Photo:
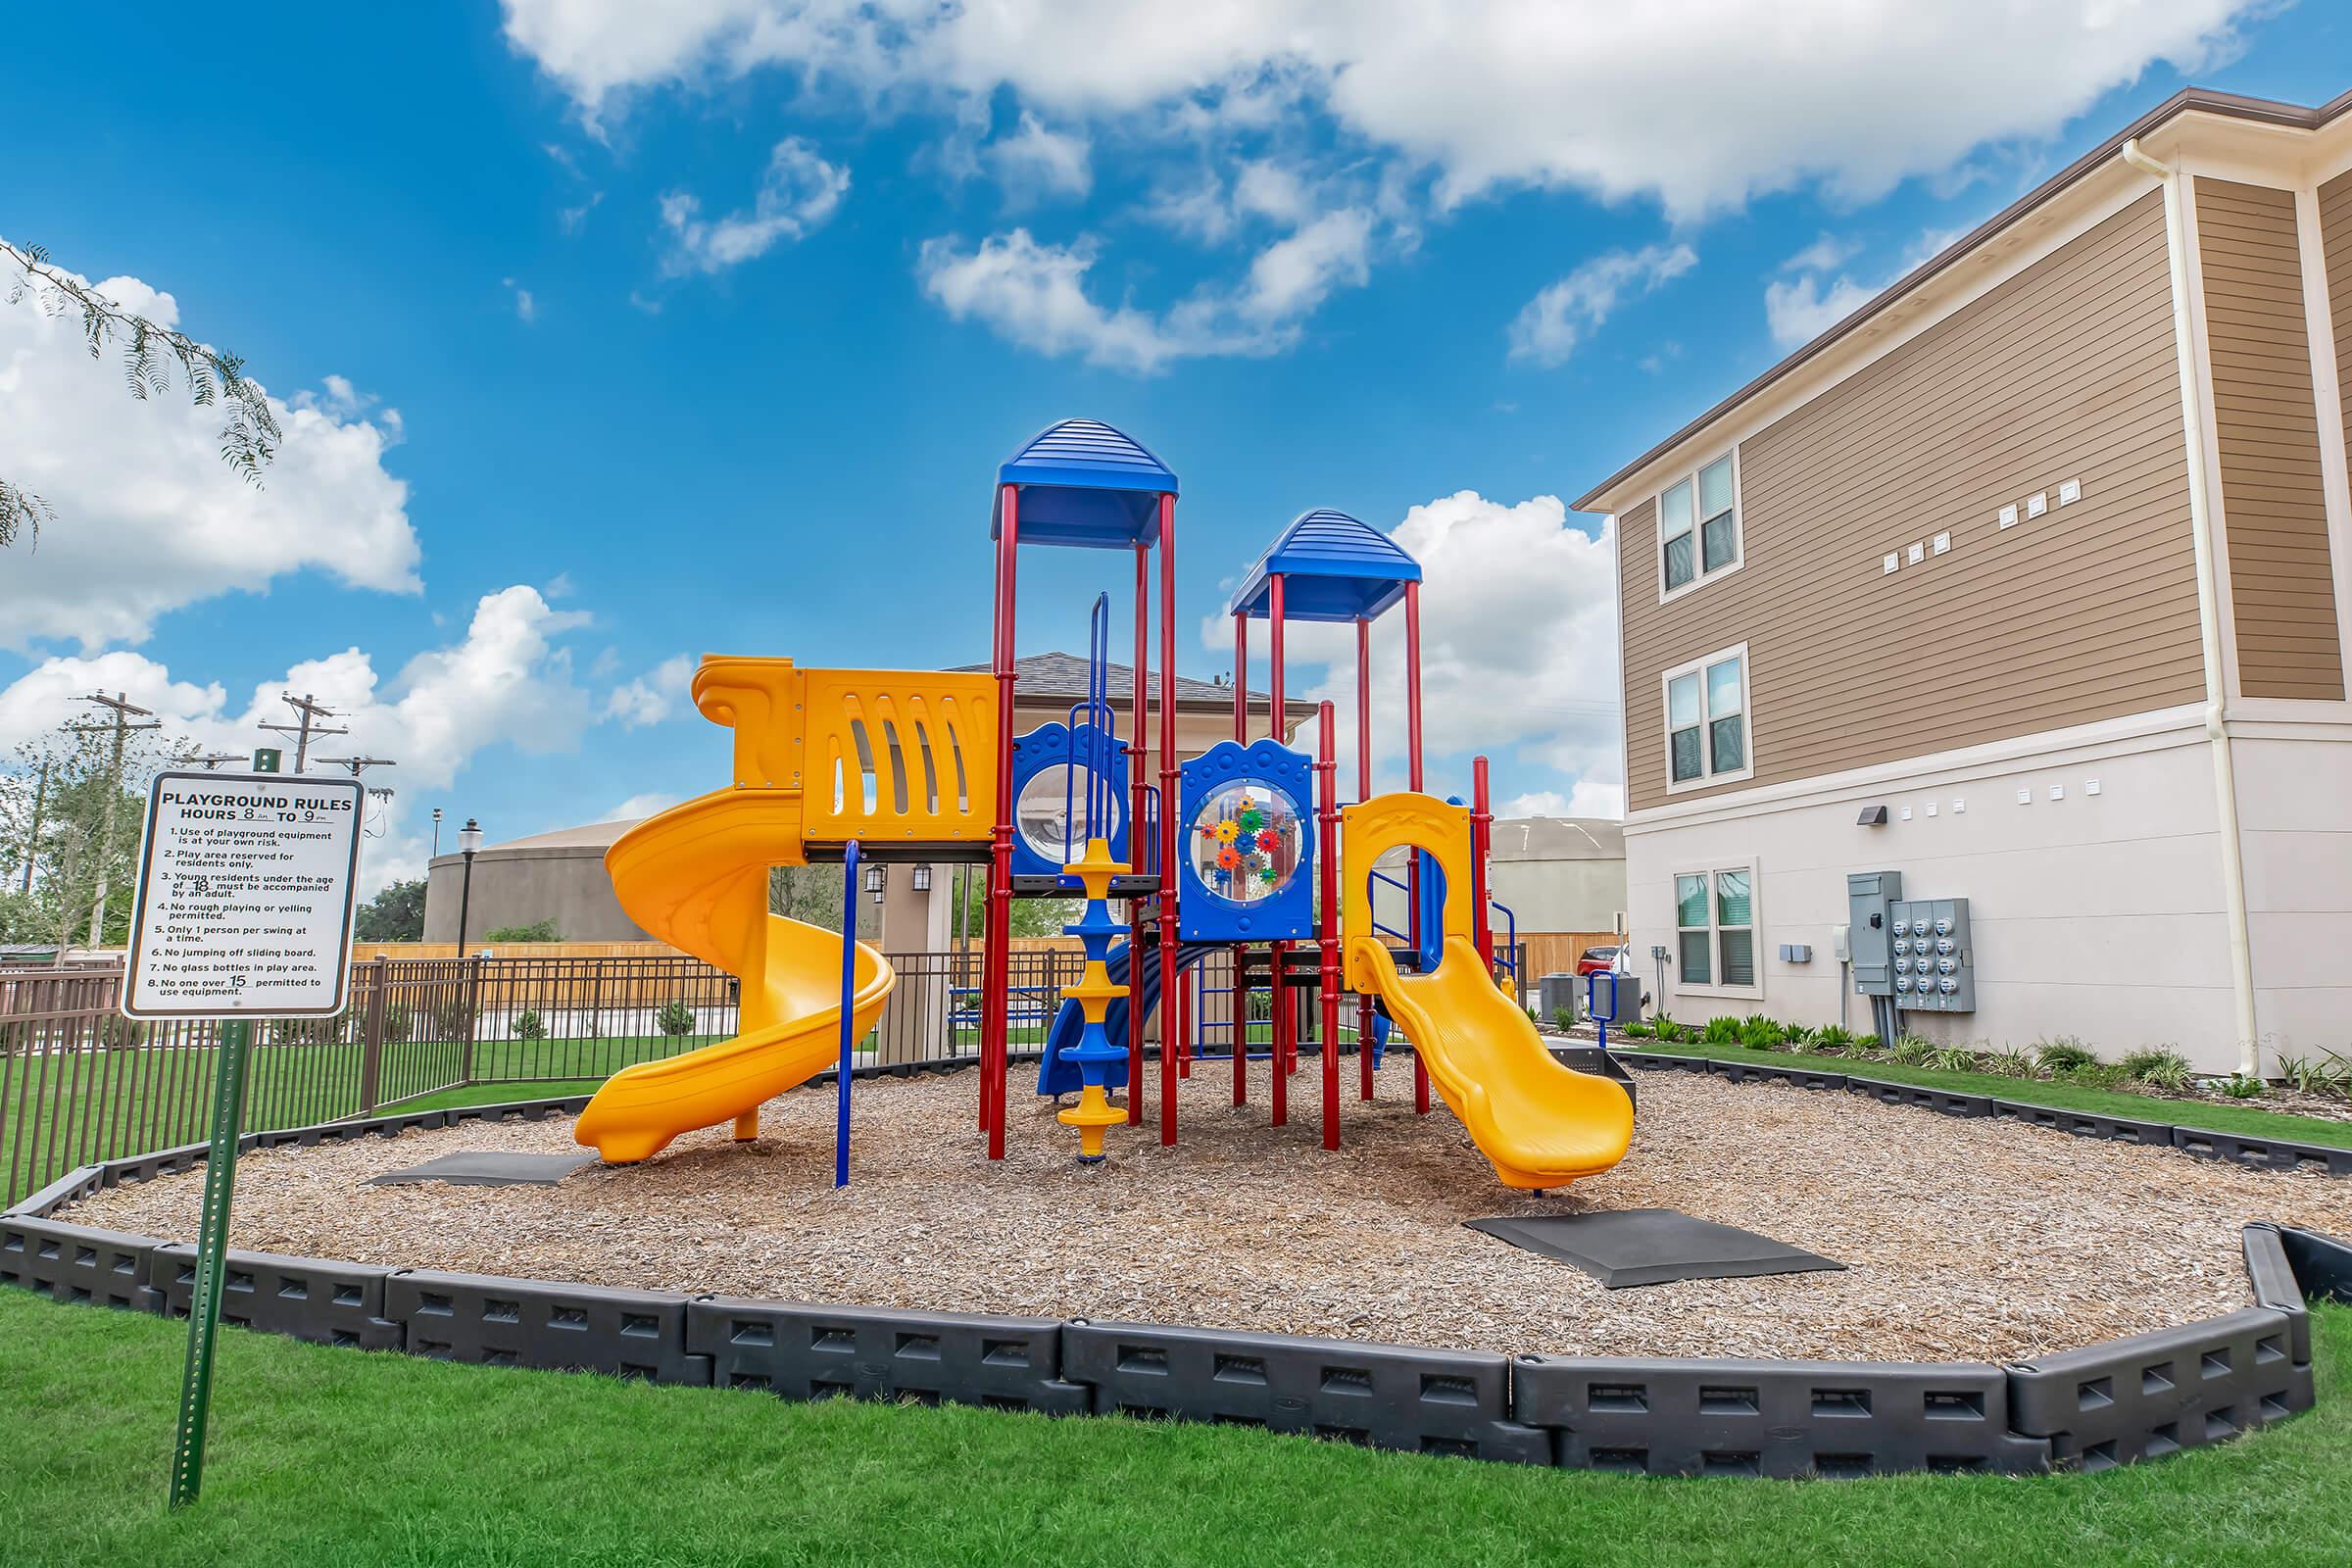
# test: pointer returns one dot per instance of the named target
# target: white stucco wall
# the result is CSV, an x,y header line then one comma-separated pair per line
x,y
2096,915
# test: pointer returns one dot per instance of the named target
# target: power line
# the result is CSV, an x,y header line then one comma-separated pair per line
x,y
359,764
311,713
208,760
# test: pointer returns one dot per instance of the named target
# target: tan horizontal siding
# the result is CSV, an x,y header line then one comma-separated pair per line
x,y
2266,422
2336,247
2065,372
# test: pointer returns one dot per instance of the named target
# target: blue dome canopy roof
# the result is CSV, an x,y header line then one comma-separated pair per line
x,y
1083,483
1333,567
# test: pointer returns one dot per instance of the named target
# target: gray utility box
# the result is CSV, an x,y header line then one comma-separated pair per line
x,y
1556,990
1934,956
1870,899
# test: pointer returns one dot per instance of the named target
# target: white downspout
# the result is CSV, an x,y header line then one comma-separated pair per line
x,y
2209,613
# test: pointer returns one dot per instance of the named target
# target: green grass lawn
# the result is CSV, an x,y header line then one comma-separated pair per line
x,y
2057,1093
334,1456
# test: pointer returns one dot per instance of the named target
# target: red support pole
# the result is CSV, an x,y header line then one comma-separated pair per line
x,y
1278,1055
1327,927
1241,1024
1167,796
996,977
1482,841
1184,1023
1138,848
1363,791
1241,677
1412,747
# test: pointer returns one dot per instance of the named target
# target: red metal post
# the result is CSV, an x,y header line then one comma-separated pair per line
x,y
1241,677
1412,746
997,966
1482,838
1363,791
1278,1059
1167,796
1184,1023
1138,855
1327,926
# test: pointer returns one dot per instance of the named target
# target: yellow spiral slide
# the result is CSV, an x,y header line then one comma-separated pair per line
x,y
1539,1123
696,876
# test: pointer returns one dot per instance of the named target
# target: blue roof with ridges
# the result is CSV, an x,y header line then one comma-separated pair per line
x,y
1333,567
1083,483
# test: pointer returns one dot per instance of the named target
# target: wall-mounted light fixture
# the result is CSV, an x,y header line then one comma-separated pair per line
x,y
921,879
1873,816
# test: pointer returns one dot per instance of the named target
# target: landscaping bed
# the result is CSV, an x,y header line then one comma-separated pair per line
x,y
1965,1239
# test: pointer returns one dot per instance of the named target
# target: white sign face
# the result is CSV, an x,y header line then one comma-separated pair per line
x,y
243,905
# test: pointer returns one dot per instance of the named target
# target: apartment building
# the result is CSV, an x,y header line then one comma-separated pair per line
x,y
2030,581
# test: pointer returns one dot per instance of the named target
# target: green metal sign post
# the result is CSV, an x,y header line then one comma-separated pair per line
x,y
212,1261
243,909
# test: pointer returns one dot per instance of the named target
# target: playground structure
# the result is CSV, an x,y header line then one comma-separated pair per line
x,y
1245,847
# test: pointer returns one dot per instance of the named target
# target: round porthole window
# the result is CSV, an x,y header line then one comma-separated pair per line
x,y
1052,830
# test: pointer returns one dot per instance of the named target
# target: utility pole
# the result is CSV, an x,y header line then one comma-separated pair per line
x,y
208,760
357,765
121,708
311,713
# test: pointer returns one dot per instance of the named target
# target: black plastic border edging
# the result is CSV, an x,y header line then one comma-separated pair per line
x,y
2243,1148
2111,1403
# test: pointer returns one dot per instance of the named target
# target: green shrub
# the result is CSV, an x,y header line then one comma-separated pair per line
x,y
451,1019
1799,1034
1911,1050
2242,1088
1864,1045
2157,1067
536,931
1759,1033
397,1020
1670,1031
674,1018
2009,1063
2064,1054
117,1032
1563,1018
2327,1073
1534,1017
528,1025
1721,1032
1953,1059
1638,1029
1831,1041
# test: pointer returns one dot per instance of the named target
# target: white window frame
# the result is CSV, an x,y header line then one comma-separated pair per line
x,y
1701,575
1707,752
1716,986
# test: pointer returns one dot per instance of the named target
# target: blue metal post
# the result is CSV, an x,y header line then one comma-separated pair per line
x,y
849,1026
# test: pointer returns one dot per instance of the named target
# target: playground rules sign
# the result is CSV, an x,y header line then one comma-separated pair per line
x,y
243,907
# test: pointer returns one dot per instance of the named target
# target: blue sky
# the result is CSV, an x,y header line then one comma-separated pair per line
x,y
617,334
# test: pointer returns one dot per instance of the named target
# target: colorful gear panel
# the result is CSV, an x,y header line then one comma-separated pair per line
x,y
1246,845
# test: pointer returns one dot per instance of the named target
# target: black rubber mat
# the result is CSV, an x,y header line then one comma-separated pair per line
x,y
1629,1246
488,1168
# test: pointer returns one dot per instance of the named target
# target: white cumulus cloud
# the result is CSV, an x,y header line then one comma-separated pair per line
x,y
148,517
1038,160
1550,326
799,192
652,697
1699,104
1518,652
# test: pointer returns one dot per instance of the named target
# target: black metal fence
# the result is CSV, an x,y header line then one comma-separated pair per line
x,y
80,1083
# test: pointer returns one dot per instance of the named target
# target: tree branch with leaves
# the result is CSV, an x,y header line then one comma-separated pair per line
x,y
249,432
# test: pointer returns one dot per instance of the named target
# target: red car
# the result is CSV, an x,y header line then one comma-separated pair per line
x,y
1592,961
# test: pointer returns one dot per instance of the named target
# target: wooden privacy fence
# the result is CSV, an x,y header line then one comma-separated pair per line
x,y
1556,951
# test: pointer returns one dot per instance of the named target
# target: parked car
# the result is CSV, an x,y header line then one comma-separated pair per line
x,y
1595,959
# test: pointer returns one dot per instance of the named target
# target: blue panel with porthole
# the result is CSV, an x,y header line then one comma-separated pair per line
x,y
1246,845
1044,761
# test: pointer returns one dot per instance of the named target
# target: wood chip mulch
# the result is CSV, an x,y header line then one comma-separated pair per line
x,y
1962,1240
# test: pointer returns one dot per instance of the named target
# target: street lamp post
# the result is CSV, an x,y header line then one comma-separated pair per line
x,y
436,830
469,839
